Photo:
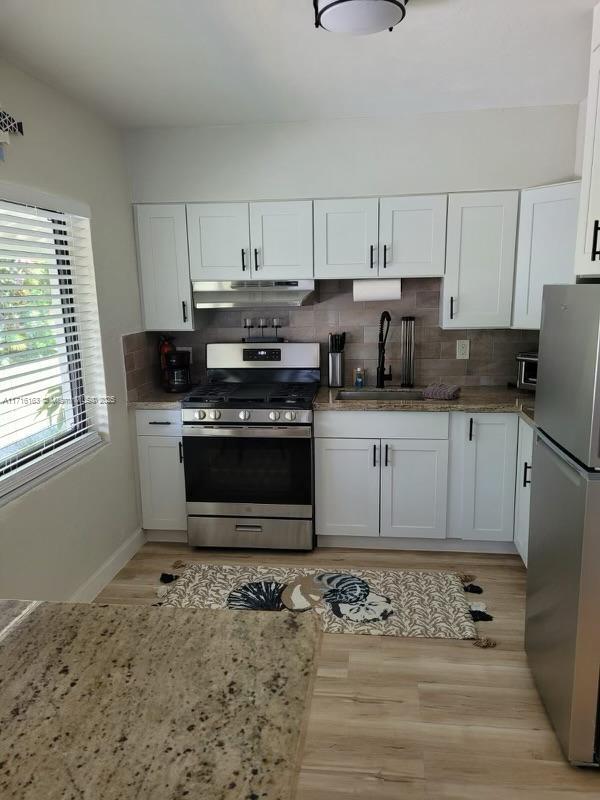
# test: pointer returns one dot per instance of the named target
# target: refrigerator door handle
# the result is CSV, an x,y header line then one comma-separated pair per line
x,y
564,457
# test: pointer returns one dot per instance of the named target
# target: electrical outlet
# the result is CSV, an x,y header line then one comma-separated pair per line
x,y
189,350
462,348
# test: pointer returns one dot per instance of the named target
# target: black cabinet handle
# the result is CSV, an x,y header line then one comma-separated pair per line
x,y
371,255
184,310
385,256
595,251
256,258
471,429
374,455
387,447
180,453
451,308
159,423
526,468
243,260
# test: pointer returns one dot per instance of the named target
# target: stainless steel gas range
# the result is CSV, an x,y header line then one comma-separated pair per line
x,y
248,447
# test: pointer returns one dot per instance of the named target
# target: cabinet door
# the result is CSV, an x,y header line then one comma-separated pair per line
x,y
346,238
480,260
164,267
162,483
587,254
488,501
414,480
219,239
347,473
412,236
546,249
523,489
281,236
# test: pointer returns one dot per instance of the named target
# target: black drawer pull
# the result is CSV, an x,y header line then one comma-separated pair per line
x,y
371,256
256,259
387,448
160,423
526,480
451,307
374,455
595,251
180,452
243,260
184,310
385,256
471,429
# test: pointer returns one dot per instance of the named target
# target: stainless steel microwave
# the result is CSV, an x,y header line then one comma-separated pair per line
x,y
527,367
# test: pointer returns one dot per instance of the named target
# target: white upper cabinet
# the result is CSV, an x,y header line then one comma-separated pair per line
x,y
346,238
281,237
546,248
164,267
480,260
219,241
412,236
414,486
587,254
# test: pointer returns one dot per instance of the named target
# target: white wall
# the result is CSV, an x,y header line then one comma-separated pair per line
x,y
423,153
54,537
581,120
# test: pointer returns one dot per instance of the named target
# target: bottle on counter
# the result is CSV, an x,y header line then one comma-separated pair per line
x,y
359,378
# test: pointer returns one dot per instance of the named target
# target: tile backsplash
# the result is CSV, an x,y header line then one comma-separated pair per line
x,y
492,352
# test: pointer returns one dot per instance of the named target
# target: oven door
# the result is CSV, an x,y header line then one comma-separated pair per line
x,y
248,470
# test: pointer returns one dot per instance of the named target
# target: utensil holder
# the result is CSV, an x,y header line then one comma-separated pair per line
x,y
336,370
407,350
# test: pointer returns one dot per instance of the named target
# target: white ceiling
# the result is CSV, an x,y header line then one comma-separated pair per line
x,y
195,62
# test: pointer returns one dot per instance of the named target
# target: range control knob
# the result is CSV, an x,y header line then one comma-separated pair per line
x,y
274,416
290,416
244,415
199,414
214,414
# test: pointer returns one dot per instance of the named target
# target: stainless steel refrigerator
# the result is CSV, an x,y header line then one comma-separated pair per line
x,y
562,635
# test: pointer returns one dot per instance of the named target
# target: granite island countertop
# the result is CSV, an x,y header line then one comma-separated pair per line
x,y
472,399
122,702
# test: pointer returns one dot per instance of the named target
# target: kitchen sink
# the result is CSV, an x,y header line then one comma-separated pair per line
x,y
380,394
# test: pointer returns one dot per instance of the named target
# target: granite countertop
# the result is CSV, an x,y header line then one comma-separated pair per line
x,y
122,702
156,399
475,400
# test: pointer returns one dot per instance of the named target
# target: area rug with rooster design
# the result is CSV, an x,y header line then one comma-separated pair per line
x,y
392,602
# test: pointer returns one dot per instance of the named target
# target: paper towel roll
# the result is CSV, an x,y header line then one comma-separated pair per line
x,y
376,290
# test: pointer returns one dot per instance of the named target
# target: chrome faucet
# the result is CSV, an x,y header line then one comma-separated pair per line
x,y
382,376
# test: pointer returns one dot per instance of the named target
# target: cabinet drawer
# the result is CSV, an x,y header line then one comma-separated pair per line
x,y
158,423
382,424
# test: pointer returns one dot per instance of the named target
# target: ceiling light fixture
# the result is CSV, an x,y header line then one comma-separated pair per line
x,y
358,16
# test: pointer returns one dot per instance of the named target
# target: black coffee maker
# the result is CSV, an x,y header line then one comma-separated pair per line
x,y
176,374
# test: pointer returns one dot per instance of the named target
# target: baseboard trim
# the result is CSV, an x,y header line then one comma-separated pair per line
x,y
166,536
91,588
439,545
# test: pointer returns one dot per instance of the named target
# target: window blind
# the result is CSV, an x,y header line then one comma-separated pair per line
x,y
52,393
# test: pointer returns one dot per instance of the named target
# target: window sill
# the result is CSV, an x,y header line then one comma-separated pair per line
x,y
16,483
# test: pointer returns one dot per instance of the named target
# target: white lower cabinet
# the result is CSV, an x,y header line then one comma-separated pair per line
x,y
394,486
414,485
347,475
482,476
523,489
162,482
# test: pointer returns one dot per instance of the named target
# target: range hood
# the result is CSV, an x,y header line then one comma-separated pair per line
x,y
251,294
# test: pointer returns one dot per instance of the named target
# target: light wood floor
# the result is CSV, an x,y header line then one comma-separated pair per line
x,y
400,719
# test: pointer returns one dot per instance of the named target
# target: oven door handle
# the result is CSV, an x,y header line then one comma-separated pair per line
x,y
249,431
